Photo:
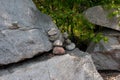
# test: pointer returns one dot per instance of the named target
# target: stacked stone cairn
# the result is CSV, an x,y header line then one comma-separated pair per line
x,y
61,42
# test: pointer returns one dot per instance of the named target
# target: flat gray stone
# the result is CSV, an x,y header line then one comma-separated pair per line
x,y
99,16
30,38
65,67
53,31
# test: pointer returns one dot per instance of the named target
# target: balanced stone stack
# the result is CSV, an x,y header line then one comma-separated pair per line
x,y
23,35
60,41
69,45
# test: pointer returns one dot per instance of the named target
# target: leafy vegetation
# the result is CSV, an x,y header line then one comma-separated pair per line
x,y
67,14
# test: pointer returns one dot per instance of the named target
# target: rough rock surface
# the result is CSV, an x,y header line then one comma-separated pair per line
x,y
111,76
106,56
112,43
109,60
30,35
110,32
98,15
76,65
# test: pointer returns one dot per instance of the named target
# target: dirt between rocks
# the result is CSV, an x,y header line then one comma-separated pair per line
x,y
110,75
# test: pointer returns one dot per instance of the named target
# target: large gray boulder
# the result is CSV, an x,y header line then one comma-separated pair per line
x,y
100,16
23,31
76,65
106,55
109,60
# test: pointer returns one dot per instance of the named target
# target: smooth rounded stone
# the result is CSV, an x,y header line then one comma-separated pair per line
x,y
70,46
58,50
68,41
58,43
65,35
53,31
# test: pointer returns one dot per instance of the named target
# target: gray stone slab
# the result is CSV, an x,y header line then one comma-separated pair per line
x,y
65,67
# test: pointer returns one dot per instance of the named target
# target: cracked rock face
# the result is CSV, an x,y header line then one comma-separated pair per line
x,y
65,67
106,56
23,31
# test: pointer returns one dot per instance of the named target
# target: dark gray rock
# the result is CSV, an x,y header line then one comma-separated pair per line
x,y
109,60
98,15
110,32
23,31
65,67
106,55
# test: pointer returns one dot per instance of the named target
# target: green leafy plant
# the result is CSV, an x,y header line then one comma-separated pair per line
x,y
67,14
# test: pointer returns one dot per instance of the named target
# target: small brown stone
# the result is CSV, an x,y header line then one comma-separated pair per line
x,y
58,50
65,35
